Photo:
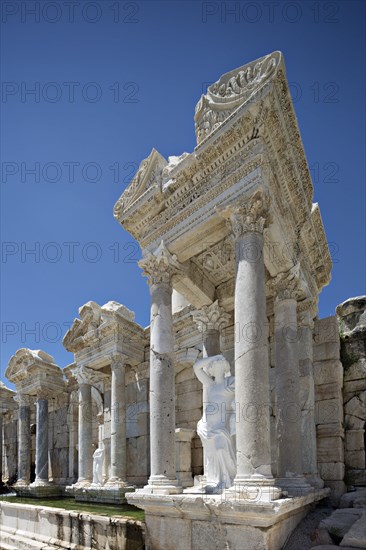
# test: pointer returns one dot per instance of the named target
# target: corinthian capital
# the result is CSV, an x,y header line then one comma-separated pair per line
x,y
287,285
160,266
24,400
84,375
118,361
250,216
212,317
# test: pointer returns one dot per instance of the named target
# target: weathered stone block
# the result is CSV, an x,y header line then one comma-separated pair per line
x,y
355,459
326,351
356,406
143,423
329,391
330,430
190,400
357,371
355,440
332,470
326,330
329,371
328,411
184,418
131,393
330,449
355,386
161,533
353,422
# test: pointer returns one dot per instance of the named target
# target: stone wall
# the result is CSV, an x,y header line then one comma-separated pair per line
x,y
352,324
10,447
58,441
328,379
23,526
137,424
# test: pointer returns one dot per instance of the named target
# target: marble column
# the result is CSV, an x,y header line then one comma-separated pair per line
x,y
307,394
288,412
254,476
210,321
118,422
24,439
85,436
160,267
41,439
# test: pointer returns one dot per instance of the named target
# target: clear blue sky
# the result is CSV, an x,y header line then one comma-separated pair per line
x,y
114,79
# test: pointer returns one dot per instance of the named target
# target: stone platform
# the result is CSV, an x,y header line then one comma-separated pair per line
x,y
181,522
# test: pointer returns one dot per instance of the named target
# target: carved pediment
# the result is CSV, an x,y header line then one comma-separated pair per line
x,y
25,358
148,178
93,319
232,90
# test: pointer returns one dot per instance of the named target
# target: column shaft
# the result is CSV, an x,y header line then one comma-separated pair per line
x,y
211,343
162,391
24,440
42,440
85,434
289,462
118,423
251,361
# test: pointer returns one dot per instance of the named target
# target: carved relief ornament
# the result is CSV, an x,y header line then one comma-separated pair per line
x,y
160,266
250,216
212,317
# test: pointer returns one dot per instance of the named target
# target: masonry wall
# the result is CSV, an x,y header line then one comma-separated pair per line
x,y
329,417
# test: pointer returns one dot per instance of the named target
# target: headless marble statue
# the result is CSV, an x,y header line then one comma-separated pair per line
x,y
98,458
217,424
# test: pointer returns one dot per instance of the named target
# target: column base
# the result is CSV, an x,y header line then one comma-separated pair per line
x,y
294,486
256,488
92,492
161,485
203,487
314,480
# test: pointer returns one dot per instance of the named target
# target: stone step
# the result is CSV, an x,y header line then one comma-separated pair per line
x,y
356,536
341,521
13,541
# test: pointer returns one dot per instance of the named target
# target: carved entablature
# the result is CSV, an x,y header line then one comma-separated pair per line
x,y
231,91
248,139
102,331
33,371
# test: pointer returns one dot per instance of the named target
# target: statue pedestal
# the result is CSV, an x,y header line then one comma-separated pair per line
x,y
38,490
109,494
218,521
